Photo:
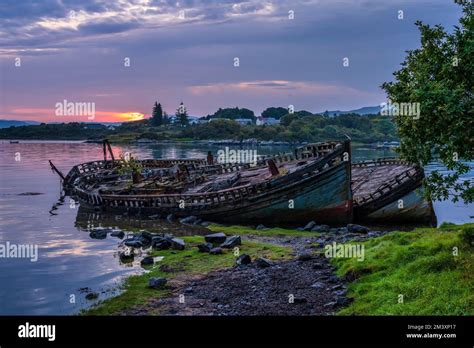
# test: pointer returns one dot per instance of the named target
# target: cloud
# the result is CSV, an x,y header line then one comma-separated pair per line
x,y
278,87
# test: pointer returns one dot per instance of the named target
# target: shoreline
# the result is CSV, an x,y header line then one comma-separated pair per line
x,y
203,284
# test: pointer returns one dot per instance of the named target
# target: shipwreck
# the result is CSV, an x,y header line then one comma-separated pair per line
x,y
314,182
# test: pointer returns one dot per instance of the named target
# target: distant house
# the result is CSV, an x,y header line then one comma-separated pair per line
x,y
173,119
270,121
243,121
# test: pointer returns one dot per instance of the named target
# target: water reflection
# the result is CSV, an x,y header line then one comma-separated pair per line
x,y
73,254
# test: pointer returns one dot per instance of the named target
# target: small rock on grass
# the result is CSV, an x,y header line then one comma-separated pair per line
x,y
205,247
231,242
146,261
156,283
215,251
177,244
261,227
216,238
243,259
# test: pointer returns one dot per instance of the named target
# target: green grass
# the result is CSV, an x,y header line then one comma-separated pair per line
x,y
186,262
419,265
271,232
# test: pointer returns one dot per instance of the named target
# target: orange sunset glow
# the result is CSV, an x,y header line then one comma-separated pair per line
x,y
130,116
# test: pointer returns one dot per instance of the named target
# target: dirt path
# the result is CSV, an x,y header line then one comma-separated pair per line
x,y
302,286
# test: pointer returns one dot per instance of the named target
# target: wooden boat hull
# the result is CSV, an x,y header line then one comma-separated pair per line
x,y
410,208
399,199
320,190
326,199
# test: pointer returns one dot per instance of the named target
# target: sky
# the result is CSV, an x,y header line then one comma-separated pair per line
x,y
122,56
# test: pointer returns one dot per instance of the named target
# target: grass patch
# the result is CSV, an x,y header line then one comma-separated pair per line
x,y
271,232
419,265
186,262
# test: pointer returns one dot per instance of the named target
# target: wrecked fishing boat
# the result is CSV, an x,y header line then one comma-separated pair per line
x,y
311,183
315,182
390,190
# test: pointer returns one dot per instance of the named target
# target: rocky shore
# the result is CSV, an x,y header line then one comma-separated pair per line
x,y
303,284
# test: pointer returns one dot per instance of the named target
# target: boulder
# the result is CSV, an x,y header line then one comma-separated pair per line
x,y
156,282
133,243
243,259
171,218
342,230
231,242
126,257
263,263
205,223
146,261
260,227
145,236
160,243
177,244
118,234
216,238
98,234
205,247
188,220
318,285
299,300
305,257
215,251
92,296
357,228
321,228
309,226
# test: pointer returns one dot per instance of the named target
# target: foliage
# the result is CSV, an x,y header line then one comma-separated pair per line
x,y
69,131
128,165
467,235
182,115
420,265
232,113
274,112
157,115
439,75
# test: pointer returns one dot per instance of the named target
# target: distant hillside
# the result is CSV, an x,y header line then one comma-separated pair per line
x,y
15,123
366,110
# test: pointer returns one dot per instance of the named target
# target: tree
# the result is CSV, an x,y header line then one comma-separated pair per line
x,y
233,113
157,115
439,76
288,118
182,115
273,112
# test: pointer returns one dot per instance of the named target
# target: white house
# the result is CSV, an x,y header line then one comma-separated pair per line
x,y
243,121
270,121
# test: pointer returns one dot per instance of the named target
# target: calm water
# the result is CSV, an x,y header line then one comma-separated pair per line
x,y
68,258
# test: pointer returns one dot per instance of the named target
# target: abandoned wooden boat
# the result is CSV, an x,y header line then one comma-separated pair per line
x,y
390,190
311,183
